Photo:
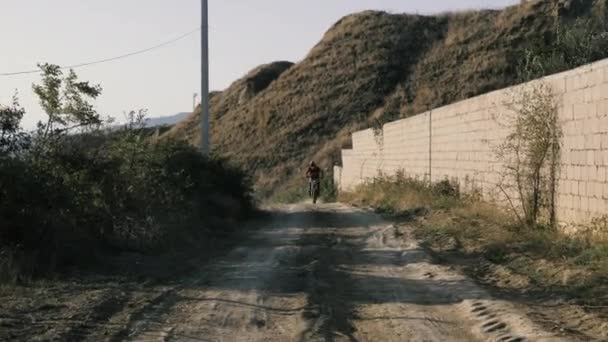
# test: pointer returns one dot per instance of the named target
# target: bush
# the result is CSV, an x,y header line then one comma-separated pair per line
x,y
66,205
66,197
329,192
446,188
400,193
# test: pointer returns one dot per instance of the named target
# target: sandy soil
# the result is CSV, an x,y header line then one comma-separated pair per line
x,y
310,273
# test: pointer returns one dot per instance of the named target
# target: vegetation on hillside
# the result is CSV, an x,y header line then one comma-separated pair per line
x,y
571,44
373,67
72,190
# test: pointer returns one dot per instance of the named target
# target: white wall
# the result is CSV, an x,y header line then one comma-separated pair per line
x,y
465,135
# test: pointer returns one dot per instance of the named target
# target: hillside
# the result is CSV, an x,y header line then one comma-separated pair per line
x,y
369,67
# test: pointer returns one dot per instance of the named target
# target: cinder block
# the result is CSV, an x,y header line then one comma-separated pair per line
x,y
568,99
581,160
601,174
602,124
569,202
567,111
592,111
557,84
598,76
595,190
580,111
604,144
596,93
579,141
599,189
582,188
585,204
598,157
573,188
588,137
597,140
590,78
576,203
568,171
602,108
581,80
593,205
572,83
590,160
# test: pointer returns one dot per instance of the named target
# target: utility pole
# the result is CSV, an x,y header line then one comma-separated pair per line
x,y
430,145
194,101
205,77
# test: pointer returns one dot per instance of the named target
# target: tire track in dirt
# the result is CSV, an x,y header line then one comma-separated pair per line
x,y
252,292
486,318
328,310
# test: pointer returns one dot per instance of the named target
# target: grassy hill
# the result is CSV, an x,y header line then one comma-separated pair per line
x,y
370,67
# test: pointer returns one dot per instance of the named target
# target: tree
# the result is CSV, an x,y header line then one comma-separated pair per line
x,y
66,102
531,153
12,138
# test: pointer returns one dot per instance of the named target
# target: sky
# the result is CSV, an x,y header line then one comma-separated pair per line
x,y
243,35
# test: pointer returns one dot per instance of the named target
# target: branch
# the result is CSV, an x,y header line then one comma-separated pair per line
x,y
66,129
502,189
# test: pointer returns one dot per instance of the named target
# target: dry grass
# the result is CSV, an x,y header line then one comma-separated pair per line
x,y
370,65
573,265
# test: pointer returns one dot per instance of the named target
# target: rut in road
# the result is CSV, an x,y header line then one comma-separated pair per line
x,y
328,273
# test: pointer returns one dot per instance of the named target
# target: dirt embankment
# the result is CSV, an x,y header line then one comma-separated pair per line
x,y
309,273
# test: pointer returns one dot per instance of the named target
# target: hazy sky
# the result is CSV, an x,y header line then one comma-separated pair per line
x,y
243,34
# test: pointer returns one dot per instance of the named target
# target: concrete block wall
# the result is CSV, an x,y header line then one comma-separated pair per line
x,y
583,181
459,142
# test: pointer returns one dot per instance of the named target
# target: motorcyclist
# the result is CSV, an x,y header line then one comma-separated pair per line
x,y
313,173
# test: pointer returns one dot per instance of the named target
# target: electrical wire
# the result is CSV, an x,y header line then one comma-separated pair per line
x,y
105,60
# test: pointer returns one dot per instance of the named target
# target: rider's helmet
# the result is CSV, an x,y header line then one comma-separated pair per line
x,y
312,163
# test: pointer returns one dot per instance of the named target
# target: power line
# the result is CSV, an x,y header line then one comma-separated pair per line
x,y
73,66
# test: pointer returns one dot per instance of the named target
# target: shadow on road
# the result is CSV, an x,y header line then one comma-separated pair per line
x,y
315,253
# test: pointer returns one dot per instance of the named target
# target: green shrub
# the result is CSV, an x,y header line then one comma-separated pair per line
x,y
67,197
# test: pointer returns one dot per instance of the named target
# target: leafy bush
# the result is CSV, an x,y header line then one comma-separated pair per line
x,y
11,137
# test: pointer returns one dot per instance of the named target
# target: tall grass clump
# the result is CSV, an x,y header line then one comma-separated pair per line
x,y
401,193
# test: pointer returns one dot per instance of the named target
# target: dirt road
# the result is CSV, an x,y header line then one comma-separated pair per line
x,y
323,273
